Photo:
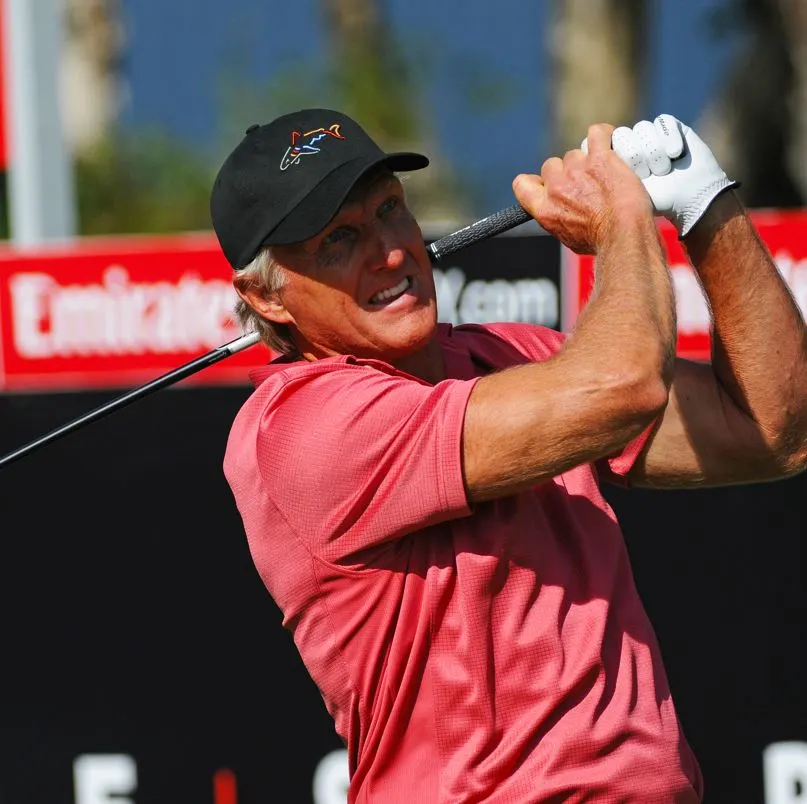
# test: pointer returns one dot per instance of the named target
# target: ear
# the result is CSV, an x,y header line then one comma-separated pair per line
x,y
267,303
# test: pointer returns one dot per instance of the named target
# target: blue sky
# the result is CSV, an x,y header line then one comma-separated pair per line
x,y
182,55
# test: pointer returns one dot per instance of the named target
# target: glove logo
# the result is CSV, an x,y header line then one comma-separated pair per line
x,y
307,144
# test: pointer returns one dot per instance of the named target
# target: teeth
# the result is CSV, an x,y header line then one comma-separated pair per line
x,y
383,295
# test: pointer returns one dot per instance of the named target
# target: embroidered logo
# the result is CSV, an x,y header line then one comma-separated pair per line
x,y
308,143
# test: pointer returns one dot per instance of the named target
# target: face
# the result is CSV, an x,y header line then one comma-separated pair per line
x,y
363,285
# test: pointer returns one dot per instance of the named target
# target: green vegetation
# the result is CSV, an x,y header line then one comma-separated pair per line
x,y
148,182
142,183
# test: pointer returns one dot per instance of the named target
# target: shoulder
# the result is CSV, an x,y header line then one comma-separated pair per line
x,y
327,439
341,395
315,387
297,408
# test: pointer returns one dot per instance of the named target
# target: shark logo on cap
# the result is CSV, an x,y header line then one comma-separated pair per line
x,y
307,144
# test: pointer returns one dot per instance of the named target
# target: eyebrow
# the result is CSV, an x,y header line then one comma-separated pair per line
x,y
382,177
379,183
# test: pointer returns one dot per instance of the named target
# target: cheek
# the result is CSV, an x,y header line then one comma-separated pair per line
x,y
332,315
417,248
410,231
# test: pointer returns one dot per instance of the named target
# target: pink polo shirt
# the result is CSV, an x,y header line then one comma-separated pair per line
x,y
498,653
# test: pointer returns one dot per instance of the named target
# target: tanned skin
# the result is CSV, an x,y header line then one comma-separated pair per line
x,y
611,380
742,418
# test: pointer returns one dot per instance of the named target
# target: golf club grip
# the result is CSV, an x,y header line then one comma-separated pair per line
x,y
494,224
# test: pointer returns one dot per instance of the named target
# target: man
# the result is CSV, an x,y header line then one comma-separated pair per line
x,y
423,501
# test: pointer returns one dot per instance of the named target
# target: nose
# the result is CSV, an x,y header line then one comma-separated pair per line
x,y
395,258
386,253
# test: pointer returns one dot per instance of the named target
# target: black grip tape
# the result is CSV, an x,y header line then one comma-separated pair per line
x,y
494,224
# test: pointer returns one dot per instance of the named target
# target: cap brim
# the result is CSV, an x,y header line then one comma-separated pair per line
x,y
317,209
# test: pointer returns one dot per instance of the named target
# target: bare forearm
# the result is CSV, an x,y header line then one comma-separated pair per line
x,y
760,342
630,319
608,384
612,377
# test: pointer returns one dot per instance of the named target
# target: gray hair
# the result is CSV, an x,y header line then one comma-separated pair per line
x,y
264,272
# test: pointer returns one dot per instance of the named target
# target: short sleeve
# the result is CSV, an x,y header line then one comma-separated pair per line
x,y
618,466
354,457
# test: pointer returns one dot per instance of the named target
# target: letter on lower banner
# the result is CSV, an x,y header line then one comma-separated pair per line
x,y
104,778
785,771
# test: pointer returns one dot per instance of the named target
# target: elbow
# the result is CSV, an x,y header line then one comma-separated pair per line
x,y
644,385
798,462
785,424
650,399
642,397
791,451
785,444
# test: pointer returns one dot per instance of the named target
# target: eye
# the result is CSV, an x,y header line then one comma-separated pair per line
x,y
338,234
390,204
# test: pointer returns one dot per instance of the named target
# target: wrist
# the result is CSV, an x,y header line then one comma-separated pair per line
x,y
626,221
690,214
725,207
637,226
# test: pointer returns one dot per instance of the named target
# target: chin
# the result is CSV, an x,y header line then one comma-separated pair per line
x,y
391,348
414,338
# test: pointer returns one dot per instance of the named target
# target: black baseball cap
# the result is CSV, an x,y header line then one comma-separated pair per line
x,y
286,180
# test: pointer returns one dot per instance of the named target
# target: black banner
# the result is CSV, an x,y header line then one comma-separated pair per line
x,y
509,278
144,662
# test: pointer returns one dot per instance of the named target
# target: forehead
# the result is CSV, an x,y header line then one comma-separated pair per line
x,y
376,180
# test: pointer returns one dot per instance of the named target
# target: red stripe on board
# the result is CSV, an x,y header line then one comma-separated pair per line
x,y
224,787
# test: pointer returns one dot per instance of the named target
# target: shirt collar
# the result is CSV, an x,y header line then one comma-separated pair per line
x,y
458,361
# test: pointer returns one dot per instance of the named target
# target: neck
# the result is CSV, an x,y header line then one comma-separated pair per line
x,y
425,364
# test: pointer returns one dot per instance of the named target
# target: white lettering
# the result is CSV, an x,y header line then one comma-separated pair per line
x,y
691,307
795,274
448,285
29,313
784,768
103,778
694,316
538,302
485,302
118,316
531,301
332,779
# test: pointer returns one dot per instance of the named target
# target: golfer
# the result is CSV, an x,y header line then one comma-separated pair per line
x,y
423,502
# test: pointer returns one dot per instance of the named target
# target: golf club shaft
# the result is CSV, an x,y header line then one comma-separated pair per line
x,y
486,227
208,359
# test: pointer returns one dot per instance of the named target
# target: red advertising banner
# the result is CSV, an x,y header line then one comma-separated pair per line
x,y
117,313
785,234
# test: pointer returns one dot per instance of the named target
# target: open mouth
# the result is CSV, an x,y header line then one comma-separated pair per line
x,y
390,294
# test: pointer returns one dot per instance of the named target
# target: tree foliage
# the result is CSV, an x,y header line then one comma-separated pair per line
x,y
598,52
758,123
143,182
137,181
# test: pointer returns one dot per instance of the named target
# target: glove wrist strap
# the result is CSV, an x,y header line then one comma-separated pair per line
x,y
697,207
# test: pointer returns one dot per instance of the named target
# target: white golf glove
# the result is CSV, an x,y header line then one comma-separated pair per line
x,y
676,167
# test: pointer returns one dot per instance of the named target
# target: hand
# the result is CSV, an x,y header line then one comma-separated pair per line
x,y
676,167
585,199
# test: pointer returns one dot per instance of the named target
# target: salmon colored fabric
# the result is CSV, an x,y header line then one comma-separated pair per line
x,y
496,654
